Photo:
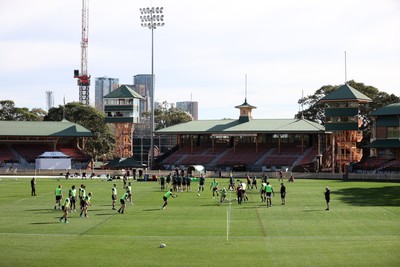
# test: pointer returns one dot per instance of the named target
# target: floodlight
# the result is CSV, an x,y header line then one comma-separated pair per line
x,y
152,18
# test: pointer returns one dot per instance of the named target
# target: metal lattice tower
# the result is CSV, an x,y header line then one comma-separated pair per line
x,y
82,75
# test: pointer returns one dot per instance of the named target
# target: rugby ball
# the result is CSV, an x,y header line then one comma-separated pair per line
x,y
198,194
162,245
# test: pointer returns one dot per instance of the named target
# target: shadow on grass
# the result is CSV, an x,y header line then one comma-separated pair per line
x,y
44,211
94,210
250,207
211,205
379,196
151,210
50,210
322,209
42,223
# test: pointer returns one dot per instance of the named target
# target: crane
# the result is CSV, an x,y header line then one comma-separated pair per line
x,y
82,75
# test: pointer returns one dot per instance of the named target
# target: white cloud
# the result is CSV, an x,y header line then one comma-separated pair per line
x,y
205,49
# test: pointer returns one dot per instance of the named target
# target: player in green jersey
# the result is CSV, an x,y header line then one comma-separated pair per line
x,y
269,191
123,200
72,198
59,196
166,196
214,186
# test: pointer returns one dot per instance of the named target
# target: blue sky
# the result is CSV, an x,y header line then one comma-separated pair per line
x,y
204,51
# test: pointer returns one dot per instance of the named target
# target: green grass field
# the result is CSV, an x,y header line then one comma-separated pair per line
x,y
361,229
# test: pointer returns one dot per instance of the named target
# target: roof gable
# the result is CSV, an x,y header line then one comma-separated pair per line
x,y
123,92
346,93
245,105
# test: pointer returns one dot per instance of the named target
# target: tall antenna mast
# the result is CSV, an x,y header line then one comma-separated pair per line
x,y
245,87
302,101
345,68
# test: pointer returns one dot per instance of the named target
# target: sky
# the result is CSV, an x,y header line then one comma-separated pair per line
x,y
286,48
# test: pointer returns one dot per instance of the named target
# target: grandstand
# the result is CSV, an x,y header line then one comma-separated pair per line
x,y
289,144
245,143
21,142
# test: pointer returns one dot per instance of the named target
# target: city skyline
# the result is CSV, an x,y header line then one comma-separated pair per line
x,y
287,48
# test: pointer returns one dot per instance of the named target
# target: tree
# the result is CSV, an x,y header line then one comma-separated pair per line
x,y
167,115
9,112
103,142
315,110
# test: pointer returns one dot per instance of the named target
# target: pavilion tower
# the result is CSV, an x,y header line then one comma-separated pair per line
x,y
342,108
121,108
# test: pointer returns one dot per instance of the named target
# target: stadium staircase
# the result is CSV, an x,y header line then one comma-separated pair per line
x,y
266,155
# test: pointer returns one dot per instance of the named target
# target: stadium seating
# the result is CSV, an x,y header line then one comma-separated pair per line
x,y
392,166
73,152
31,151
285,156
243,154
6,155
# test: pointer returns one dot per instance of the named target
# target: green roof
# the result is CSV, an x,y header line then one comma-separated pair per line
x,y
251,127
123,163
384,143
123,92
341,126
346,93
392,109
42,129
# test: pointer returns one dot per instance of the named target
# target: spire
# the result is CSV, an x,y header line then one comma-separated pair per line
x,y
345,68
245,108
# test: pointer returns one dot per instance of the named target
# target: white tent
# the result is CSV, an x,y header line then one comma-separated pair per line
x,y
196,168
54,160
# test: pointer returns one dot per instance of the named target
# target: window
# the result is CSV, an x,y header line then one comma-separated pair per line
x,y
393,132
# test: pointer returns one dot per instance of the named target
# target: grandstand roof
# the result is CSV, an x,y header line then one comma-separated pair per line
x,y
251,127
62,128
346,93
392,109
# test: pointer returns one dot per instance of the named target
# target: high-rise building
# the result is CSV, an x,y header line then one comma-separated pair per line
x,y
191,107
49,100
143,85
103,86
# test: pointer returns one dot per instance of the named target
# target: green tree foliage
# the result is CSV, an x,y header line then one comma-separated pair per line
x,y
167,115
103,142
9,112
314,111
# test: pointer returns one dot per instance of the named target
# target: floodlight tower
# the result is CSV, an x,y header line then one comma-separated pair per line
x,y
83,76
152,17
